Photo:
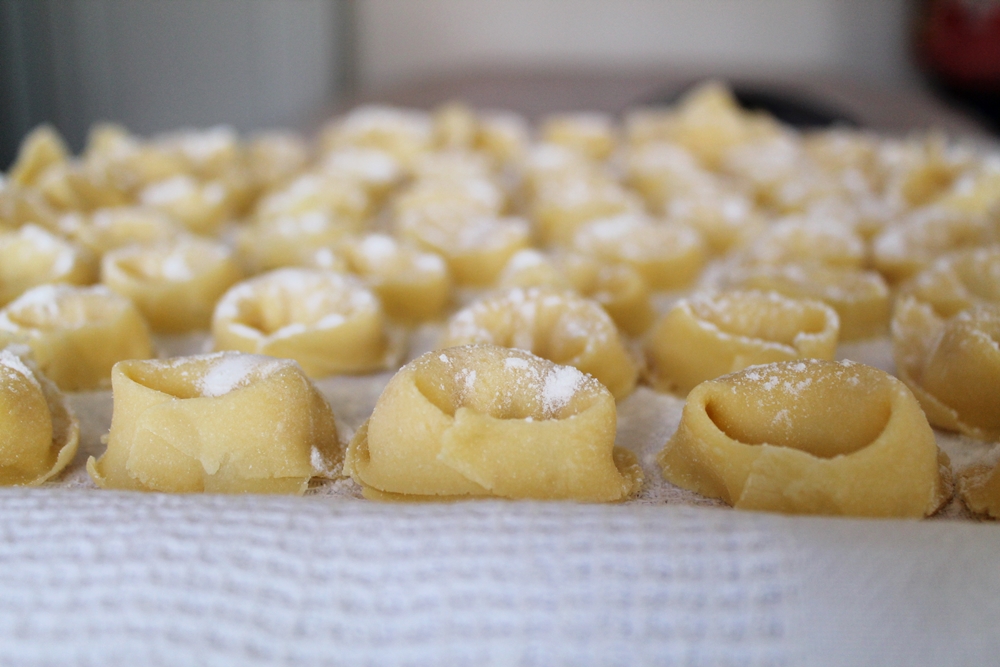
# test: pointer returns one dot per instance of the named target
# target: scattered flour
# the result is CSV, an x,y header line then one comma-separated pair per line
x,y
9,359
233,371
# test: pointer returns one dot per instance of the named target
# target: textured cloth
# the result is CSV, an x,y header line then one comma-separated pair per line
x,y
132,579
111,579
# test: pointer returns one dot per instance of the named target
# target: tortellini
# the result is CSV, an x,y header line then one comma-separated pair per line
x,y
793,241
342,200
482,420
809,437
944,334
174,284
412,285
475,246
706,336
861,298
201,207
328,322
40,150
77,334
39,434
556,325
906,248
667,256
31,256
562,204
592,134
402,133
220,423
618,288
290,240
109,228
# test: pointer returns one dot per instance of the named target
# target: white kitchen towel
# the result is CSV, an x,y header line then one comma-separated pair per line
x,y
107,579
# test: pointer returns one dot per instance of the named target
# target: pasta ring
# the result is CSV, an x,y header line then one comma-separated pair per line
x,y
553,324
328,322
707,336
482,420
809,437
39,434
223,423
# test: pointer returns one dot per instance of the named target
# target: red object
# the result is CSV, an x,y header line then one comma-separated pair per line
x,y
959,40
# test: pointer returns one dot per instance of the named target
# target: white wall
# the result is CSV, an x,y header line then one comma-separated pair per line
x,y
160,64
404,39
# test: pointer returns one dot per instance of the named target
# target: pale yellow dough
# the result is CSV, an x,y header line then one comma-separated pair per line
x,y
667,256
951,364
39,433
979,488
77,334
110,228
220,423
413,285
796,241
175,284
944,333
706,336
201,207
557,325
563,203
619,288
861,298
298,239
31,256
328,322
592,134
809,437
906,248
475,246
483,420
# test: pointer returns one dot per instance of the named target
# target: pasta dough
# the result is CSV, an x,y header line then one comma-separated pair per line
x,y
809,437
328,322
861,298
31,256
475,246
201,207
979,488
290,240
110,228
38,432
412,285
482,420
944,333
77,334
554,324
175,284
706,336
619,288
592,134
221,423
952,365
666,256
793,241
904,249
562,204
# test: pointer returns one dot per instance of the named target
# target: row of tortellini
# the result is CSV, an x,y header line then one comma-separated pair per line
x,y
483,420
808,235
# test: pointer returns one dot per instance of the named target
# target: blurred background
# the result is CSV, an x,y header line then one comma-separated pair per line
x,y
155,65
